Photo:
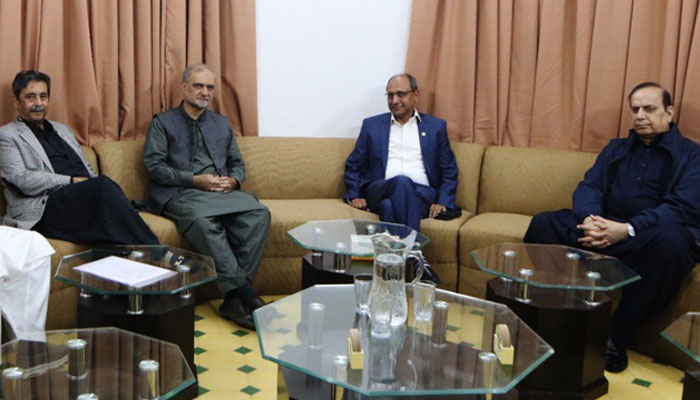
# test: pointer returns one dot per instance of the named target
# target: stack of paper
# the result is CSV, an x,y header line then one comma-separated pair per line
x,y
128,272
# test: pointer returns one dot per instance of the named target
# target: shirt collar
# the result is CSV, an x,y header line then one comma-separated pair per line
x,y
45,127
415,115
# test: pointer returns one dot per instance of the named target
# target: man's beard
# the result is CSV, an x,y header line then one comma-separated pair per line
x,y
199,104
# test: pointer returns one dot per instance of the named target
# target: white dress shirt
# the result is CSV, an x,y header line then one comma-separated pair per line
x,y
405,156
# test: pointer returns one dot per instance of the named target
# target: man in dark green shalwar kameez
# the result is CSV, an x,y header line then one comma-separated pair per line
x,y
195,172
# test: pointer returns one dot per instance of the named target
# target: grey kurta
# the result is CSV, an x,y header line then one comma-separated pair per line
x,y
187,205
230,227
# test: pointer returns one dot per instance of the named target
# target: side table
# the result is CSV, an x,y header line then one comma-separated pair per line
x,y
684,333
163,310
556,290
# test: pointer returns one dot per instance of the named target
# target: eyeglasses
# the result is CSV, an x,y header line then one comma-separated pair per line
x,y
400,95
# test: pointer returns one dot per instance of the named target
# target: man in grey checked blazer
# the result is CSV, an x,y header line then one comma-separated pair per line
x,y
49,185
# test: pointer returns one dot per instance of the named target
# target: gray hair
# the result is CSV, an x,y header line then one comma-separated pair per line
x,y
194,67
411,79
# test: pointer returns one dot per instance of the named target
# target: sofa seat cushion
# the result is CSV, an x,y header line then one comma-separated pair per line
x,y
488,229
288,214
165,230
443,238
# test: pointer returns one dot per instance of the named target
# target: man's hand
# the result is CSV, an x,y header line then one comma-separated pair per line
x,y
599,232
77,179
436,209
207,182
228,184
213,183
359,203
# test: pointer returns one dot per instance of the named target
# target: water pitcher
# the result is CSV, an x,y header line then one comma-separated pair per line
x,y
388,306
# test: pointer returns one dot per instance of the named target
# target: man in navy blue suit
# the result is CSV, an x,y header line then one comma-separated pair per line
x,y
402,167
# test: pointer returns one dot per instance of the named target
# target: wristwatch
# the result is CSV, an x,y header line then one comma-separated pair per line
x,y
630,230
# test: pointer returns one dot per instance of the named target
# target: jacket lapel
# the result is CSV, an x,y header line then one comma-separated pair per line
x,y
423,137
384,141
28,136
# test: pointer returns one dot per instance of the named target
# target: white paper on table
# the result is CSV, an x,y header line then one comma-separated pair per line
x,y
128,272
362,244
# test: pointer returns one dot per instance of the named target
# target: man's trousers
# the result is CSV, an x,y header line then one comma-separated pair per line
x,y
400,200
661,255
25,277
235,241
94,211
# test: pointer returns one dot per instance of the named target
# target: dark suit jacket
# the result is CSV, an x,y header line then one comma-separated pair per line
x,y
367,162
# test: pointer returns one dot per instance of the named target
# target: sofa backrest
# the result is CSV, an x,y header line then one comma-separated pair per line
x,y
469,157
122,162
529,180
295,168
90,156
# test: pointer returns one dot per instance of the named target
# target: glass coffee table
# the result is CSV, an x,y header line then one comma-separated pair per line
x,y
108,362
163,310
416,361
684,333
341,249
557,290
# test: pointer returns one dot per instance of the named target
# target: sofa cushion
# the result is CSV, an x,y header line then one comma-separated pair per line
x,y
469,157
488,229
165,230
288,214
529,181
122,162
295,168
443,238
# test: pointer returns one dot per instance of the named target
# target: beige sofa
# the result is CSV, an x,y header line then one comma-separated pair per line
x,y
301,179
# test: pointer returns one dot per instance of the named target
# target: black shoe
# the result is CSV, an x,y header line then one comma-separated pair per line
x,y
615,357
256,303
232,308
428,273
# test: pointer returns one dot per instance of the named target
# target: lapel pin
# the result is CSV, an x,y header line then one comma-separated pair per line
x,y
422,133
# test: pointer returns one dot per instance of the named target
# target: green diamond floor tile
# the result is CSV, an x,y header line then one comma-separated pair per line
x,y
199,333
641,382
452,328
243,350
198,317
283,331
202,390
246,369
467,344
477,312
655,361
199,350
201,369
240,333
250,390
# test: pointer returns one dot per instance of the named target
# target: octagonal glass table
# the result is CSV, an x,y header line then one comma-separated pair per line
x,y
163,309
416,360
684,333
341,249
108,362
557,290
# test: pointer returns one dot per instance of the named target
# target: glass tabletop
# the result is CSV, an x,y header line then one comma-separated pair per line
x,y
684,333
554,266
109,362
411,361
351,236
188,269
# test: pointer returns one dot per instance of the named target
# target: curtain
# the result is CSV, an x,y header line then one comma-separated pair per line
x,y
552,73
115,63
